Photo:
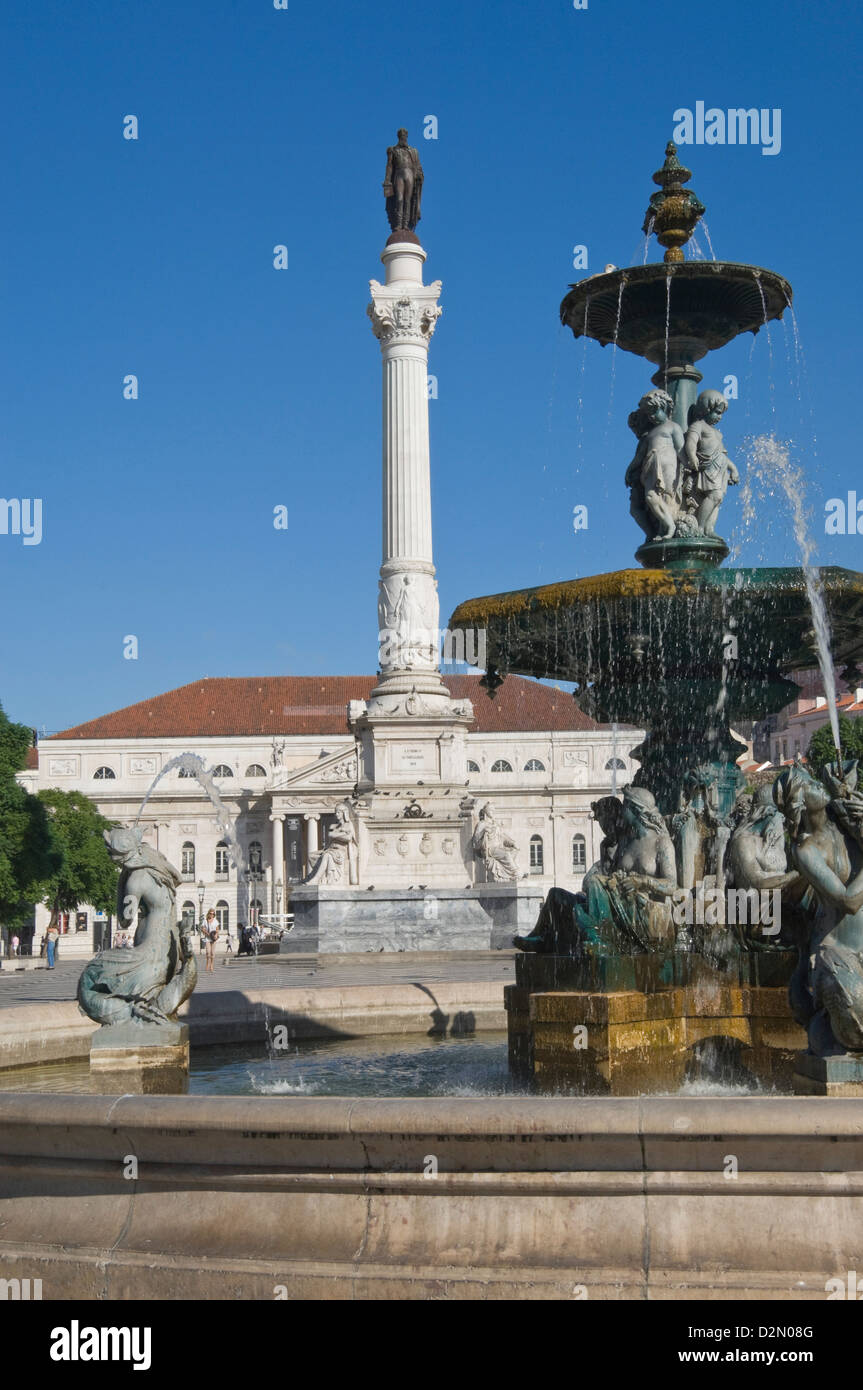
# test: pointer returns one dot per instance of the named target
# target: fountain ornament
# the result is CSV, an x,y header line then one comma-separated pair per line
x,y
683,648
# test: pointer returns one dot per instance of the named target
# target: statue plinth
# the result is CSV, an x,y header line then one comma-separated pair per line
x,y
140,1059
683,553
841,1075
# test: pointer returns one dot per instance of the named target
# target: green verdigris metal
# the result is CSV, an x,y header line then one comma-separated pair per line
x,y
685,649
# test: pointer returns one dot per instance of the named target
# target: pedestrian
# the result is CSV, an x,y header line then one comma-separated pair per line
x,y
229,949
211,933
51,944
15,944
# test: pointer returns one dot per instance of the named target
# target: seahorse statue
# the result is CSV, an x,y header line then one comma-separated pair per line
x,y
147,982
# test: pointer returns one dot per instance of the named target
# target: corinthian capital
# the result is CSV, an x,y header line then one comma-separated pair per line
x,y
404,318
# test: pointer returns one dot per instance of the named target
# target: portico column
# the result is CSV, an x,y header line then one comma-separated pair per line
x,y
278,852
312,850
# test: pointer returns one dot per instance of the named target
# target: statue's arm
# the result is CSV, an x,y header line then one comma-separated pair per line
x,y
633,472
827,884
690,445
388,176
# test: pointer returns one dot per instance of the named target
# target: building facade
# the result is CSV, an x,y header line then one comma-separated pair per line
x,y
284,758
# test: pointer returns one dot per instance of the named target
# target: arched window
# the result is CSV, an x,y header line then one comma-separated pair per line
x,y
223,915
256,855
185,772
188,915
222,863
187,860
222,770
534,765
104,774
472,766
501,765
255,770
536,854
615,765
579,854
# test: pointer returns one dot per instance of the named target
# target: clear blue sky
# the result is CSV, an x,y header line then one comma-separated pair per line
x,y
260,387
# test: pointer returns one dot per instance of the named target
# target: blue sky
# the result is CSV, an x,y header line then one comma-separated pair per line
x,y
260,387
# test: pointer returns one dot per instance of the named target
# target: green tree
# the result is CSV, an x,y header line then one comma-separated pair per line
x,y
29,849
87,873
821,750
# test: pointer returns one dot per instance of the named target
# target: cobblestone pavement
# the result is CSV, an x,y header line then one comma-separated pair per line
x,y
268,972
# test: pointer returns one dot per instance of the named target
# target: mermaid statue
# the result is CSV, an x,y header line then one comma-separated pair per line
x,y
825,825
624,906
147,983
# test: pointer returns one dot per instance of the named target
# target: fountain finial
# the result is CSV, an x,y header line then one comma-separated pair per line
x,y
674,212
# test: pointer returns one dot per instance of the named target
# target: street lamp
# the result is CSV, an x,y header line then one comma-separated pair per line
x,y
278,896
201,891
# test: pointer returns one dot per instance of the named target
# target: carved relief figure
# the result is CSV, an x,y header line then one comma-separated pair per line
x,y
341,841
494,848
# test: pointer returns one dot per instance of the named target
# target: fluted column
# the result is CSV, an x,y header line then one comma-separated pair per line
x,y
278,853
404,313
312,849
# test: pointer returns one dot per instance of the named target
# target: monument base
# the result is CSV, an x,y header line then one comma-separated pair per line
x,y
140,1059
644,1024
829,1076
484,917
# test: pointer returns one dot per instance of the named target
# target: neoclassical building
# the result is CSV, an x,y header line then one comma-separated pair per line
x,y
285,757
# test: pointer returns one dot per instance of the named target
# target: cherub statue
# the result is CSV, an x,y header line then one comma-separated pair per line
x,y
708,468
655,475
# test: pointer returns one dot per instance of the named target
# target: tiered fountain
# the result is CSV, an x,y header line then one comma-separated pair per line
x,y
672,951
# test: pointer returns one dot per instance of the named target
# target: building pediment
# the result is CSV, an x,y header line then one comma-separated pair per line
x,y
336,771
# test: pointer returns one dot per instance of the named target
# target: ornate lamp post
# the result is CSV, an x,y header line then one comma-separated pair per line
x,y
201,891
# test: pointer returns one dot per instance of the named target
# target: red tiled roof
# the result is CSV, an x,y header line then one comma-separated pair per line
x,y
236,706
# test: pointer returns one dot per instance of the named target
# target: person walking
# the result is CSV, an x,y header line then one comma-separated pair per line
x,y
211,934
229,949
51,944
15,944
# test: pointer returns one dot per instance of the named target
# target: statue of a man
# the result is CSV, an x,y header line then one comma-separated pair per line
x,y
403,183
708,467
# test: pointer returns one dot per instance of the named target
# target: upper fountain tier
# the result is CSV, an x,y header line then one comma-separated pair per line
x,y
675,313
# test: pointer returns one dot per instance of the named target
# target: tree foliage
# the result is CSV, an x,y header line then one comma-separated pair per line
x,y
87,873
821,750
29,849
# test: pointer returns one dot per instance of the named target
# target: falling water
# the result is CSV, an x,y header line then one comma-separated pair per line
x,y
769,461
667,322
707,234
192,763
648,234
771,373
614,353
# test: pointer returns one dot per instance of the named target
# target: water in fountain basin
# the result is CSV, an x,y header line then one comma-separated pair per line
x,y
769,463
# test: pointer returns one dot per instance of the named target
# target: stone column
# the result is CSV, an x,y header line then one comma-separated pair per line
x,y
312,850
278,853
404,313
